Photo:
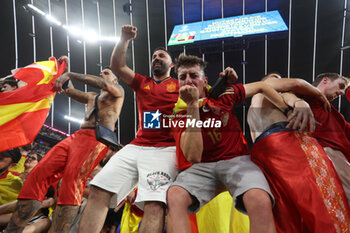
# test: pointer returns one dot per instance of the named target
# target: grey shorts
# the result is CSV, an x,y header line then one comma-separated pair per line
x,y
205,180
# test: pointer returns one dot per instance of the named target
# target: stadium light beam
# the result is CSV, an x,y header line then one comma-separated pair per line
x,y
73,119
86,35
36,9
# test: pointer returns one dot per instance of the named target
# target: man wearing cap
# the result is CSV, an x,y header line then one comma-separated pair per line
x,y
10,182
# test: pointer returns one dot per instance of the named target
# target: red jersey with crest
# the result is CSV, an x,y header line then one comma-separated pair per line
x,y
155,101
220,143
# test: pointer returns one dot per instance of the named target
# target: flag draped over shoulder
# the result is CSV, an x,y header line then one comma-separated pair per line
x,y
24,110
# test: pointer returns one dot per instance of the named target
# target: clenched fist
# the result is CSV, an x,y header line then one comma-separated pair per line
x,y
128,32
189,94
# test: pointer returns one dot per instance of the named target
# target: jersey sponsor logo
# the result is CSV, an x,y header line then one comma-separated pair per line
x,y
171,87
147,87
151,120
157,179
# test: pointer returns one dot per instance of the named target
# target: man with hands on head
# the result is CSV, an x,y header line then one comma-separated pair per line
x,y
75,157
219,153
149,161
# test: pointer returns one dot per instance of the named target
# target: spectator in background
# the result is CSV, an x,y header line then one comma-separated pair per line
x,y
10,183
31,161
9,84
40,222
24,150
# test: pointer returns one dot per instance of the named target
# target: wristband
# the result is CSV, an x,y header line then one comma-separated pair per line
x,y
286,110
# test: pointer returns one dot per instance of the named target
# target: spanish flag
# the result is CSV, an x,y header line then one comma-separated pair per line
x,y
24,110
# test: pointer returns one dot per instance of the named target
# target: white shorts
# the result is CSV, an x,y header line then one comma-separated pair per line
x,y
152,169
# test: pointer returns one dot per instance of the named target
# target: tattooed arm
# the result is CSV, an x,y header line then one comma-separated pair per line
x,y
80,96
113,88
24,211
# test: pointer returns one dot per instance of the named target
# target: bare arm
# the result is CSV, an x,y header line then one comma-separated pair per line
x,y
302,116
8,207
191,140
77,95
113,89
265,89
300,87
118,57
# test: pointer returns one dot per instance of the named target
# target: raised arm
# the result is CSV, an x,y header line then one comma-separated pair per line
x,y
113,89
265,89
80,96
118,64
300,87
191,140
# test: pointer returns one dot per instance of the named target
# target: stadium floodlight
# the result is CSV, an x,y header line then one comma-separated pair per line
x,y
85,35
53,20
36,9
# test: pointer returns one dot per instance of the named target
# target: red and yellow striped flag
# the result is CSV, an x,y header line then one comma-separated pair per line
x,y
24,110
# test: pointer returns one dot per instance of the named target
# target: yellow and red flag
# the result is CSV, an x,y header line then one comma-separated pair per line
x,y
24,110
220,215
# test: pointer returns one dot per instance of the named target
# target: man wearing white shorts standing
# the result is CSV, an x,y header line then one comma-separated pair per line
x,y
149,161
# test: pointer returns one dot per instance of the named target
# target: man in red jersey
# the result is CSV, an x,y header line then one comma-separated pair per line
x,y
218,151
295,165
149,161
333,132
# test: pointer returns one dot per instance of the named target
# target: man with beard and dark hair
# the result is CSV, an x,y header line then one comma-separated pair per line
x,y
149,161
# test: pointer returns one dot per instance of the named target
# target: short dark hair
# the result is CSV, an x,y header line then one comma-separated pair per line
x,y
189,60
14,154
331,76
164,49
10,81
38,155
109,68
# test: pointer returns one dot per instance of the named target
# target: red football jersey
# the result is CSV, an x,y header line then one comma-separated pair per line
x,y
155,101
334,131
220,143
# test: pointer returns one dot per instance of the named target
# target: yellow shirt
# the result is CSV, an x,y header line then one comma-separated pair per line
x,y
19,166
10,186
